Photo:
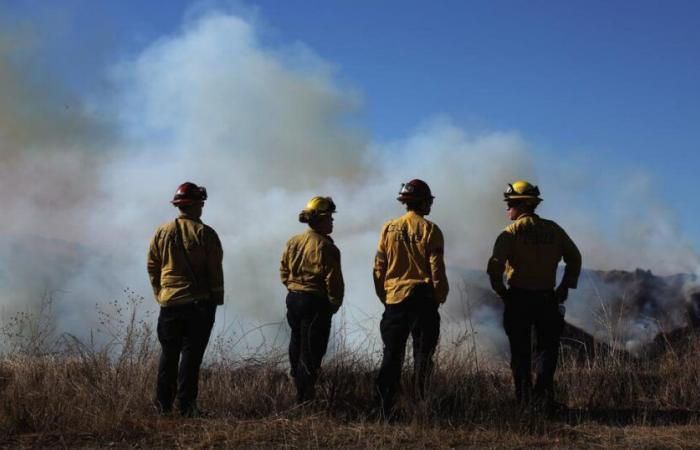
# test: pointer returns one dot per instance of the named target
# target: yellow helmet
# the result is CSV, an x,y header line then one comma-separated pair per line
x,y
522,190
317,206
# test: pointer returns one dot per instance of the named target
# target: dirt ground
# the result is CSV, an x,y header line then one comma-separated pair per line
x,y
311,431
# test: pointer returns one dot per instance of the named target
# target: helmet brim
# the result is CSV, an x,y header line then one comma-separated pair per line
x,y
404,199
186,202
311,212
521,197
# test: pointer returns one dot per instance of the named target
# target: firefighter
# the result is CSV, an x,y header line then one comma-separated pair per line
x,y
184,265
310,270
528,251
410,280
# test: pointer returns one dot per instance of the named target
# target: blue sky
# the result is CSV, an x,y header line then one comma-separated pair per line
x,y
614,84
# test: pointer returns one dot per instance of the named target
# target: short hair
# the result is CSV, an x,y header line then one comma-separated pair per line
x,y
413,205
529,206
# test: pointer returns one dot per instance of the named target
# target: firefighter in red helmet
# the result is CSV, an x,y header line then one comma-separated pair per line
x,y
410,280
185,269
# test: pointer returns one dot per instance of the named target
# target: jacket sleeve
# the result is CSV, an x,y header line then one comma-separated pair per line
x,y
380,265
333,274
284,265
502,250
215,270
153,264
436,256
573,261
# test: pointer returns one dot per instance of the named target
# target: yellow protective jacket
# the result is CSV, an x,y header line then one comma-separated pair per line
x,y
176,281
311,263
529,251
410,252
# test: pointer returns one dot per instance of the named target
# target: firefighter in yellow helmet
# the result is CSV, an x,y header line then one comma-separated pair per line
x,y
528,251
185,269
310,269
410,280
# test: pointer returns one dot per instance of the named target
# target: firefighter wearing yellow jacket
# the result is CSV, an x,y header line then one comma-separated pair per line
x,y
529,251
410,280
185,269
310,269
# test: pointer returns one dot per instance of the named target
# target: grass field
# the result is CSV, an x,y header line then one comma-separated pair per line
x,y
77,395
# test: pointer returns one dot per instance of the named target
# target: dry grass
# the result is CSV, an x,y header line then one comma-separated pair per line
x,y
82,395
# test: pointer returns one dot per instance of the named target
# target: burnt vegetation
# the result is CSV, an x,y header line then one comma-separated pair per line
x,y
61,391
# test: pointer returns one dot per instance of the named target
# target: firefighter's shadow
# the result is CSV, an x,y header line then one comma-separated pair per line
x,y
629,416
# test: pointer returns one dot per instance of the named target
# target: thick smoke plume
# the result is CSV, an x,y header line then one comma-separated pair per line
x,y
264,129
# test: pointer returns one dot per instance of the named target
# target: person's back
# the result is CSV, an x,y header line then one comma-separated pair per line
x,y
532,248
184,276
307,264
412,255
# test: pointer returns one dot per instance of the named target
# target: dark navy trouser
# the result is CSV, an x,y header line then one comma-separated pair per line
x,y
418,316
183,332
309,317
524,310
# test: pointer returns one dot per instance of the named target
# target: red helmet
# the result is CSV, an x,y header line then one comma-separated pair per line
x,y
414,190
189,194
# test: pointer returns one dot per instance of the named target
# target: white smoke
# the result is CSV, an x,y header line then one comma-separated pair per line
x,y
265,129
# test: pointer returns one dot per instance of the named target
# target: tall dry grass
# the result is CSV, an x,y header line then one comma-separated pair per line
x,y
70,387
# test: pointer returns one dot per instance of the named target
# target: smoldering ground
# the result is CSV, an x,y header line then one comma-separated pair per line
x,y
265,128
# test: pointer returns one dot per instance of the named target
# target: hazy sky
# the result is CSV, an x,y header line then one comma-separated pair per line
x,y
604,83
105,107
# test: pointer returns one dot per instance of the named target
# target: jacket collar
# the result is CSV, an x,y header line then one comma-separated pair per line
x,y
316,233
526,215
187,217
412,214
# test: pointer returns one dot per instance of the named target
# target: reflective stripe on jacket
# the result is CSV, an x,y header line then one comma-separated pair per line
x,y
311,263
410,252
176,281
529,251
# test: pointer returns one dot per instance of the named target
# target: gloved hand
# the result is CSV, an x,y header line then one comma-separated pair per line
x,y
561,294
